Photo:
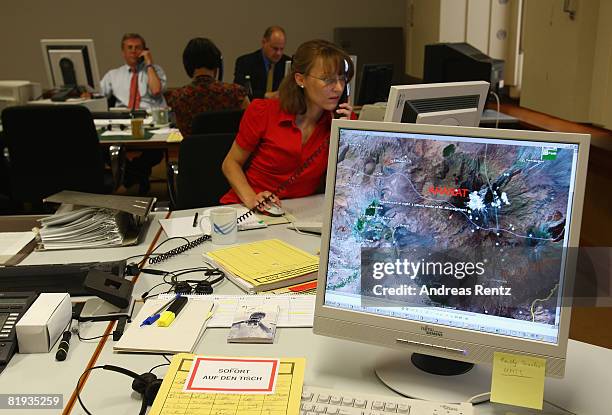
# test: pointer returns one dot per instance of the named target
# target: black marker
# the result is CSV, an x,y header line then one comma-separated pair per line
x,y
62,349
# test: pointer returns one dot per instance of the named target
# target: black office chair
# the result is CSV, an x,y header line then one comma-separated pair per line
x,y
53,148
216,122
197,180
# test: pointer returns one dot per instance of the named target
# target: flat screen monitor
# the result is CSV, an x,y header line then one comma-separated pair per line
x,y
70,63
452,103
450,244
375,83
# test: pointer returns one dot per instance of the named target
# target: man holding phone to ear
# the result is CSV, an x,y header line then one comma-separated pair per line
x,y
139,84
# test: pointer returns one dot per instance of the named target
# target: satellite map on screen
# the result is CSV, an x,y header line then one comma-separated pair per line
x,y
505,204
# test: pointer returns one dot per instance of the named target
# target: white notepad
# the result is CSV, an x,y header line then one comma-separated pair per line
x,y
181,336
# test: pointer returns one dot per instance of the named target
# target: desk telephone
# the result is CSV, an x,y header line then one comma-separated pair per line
x,y
12,306
69,91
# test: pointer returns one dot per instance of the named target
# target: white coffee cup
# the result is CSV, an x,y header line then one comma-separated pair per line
x,y
223,226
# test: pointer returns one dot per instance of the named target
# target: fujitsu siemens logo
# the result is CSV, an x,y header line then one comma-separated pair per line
x,y
431,332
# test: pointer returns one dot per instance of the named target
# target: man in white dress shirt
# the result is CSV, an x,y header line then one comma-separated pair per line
x,y
139,84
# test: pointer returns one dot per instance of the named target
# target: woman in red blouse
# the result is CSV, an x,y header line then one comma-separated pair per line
x,y
278,135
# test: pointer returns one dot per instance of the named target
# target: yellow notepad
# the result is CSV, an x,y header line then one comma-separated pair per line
x,y
267,264
174,137
285,400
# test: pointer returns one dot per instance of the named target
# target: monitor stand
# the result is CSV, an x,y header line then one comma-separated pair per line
x,y
400,374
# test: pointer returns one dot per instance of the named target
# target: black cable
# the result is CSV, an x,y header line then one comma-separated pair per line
x,y
155,367
166,357
92,338
78,333
78,390
155,249
143,407
209,270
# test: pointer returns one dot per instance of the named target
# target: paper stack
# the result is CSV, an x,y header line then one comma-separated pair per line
x,y
82,228
266,265
86,220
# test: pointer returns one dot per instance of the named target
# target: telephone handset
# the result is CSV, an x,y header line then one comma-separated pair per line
x,y
344,98
192,244
141,58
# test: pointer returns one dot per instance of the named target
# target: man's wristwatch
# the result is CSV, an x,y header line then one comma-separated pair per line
x,y
150,65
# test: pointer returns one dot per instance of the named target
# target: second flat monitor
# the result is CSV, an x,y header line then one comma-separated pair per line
x,y
451,103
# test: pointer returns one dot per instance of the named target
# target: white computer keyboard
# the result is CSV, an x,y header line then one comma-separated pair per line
x,y
317,401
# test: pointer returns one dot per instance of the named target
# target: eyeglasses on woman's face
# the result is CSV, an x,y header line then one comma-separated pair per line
x,y
330,81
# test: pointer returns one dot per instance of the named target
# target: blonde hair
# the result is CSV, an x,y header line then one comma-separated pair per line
x,y
292,99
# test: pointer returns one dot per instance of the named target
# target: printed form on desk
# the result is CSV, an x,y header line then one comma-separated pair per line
x,y
294,310
282,395
266,265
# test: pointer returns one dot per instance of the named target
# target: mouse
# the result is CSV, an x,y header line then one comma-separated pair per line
x,y
274,210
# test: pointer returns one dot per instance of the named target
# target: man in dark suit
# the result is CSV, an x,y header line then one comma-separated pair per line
x,y
265,66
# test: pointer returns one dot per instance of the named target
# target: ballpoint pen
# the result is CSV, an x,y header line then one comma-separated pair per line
x,y
195,220
155,316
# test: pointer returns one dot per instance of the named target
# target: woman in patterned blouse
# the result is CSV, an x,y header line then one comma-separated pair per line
x,y
203,62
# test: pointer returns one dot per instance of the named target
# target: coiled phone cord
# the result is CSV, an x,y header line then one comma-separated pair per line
x,y
281,188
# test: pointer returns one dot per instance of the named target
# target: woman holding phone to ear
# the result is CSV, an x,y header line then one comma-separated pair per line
x,y
277,136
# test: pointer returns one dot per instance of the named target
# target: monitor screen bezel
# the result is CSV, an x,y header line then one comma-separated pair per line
x,y
84,46
385,331
400,94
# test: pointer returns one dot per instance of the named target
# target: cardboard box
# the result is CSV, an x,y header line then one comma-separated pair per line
x,y
44,322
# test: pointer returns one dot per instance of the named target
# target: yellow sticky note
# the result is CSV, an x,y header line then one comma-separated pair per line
x,y
518,380
174,137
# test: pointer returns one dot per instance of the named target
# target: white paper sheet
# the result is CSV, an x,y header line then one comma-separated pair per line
x,y
13,242
294,310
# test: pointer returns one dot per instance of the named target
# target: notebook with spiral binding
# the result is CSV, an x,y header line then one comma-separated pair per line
x,y
86,220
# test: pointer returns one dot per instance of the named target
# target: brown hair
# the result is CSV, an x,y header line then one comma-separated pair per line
x,y
133,36
292,99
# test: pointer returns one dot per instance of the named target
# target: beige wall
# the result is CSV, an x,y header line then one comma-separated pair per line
x,y
235,26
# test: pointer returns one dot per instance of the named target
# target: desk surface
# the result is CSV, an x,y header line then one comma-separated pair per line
x,y
330,362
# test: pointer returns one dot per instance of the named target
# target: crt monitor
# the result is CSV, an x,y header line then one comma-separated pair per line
x,y
452,103
375,83
449,244
456,62
70,63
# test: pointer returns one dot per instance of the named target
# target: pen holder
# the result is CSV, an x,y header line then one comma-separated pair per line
x,y
223,226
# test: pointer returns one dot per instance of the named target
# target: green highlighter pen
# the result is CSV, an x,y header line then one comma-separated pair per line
x,y
168,316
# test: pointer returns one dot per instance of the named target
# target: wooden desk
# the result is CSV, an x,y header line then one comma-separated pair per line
x,y
533,120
